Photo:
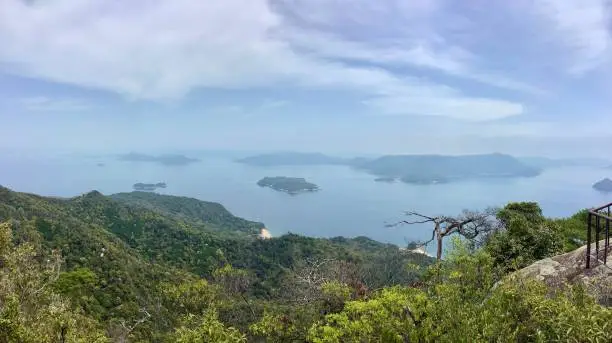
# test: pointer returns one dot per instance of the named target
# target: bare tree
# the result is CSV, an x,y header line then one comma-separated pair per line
x,y
471,225
303,284
121,333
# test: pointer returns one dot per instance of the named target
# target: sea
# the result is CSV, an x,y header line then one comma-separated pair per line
x,y
350,203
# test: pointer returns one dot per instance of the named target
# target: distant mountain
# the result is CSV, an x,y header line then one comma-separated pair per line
x,y
440,169
168,159
292,159
545,162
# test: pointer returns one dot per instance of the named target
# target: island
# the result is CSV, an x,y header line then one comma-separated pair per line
x,y
434,169
100,164
290,185
419,169
604,185
148,187
167,160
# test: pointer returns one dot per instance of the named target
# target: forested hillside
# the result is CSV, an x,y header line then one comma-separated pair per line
x,y
122,254
143,267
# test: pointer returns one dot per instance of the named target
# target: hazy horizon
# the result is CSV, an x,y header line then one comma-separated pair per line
x,y
358,77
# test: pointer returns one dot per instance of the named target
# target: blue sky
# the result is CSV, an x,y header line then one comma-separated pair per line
x,y
385,76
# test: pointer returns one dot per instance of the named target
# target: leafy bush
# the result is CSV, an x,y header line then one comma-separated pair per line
x,y
459,304
527,237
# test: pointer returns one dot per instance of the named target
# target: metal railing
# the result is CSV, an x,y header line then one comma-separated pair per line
x,y
598,223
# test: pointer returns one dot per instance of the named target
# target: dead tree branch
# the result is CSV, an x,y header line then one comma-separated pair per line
x,y
469,224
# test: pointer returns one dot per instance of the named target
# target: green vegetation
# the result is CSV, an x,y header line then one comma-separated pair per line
x,y
126,257
143,267
209,215
291,185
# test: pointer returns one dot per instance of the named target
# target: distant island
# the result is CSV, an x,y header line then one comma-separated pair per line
x,y
431,169
604,185
100,164
385,179
167,160
292,159
148,186
419,169
291,185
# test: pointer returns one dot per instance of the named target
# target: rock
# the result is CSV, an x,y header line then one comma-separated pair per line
x,y
264,234
570,268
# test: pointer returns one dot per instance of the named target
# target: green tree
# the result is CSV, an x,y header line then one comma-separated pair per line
x,y
462,304
527,236
206,328
30,311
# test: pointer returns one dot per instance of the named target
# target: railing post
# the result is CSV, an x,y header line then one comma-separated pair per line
x,y
588,256
606,241
597,229
607,238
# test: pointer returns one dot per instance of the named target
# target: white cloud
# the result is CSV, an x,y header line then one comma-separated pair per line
x,y
165,49
414,42
46,104
583,26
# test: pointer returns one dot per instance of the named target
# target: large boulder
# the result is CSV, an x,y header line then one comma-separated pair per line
x,y
570,268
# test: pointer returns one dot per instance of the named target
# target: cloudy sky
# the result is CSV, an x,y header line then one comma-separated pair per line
x,y
384,76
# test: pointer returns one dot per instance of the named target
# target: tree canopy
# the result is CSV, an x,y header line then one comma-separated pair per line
x,y
152,268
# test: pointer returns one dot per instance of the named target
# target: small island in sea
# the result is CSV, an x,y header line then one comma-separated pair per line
x,y
167,160
418,169
291,185
385,179
148,186
604,185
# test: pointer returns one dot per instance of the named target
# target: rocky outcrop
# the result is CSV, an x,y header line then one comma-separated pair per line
x,y
264,234
570,268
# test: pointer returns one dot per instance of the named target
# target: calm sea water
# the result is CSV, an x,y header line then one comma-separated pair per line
x,y
349,204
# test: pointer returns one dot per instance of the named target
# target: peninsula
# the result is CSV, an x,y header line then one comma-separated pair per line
x,y
290,185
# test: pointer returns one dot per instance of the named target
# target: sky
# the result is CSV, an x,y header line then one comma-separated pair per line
x,y
339,76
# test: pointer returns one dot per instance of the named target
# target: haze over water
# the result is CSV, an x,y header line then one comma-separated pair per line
x,y
349,204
